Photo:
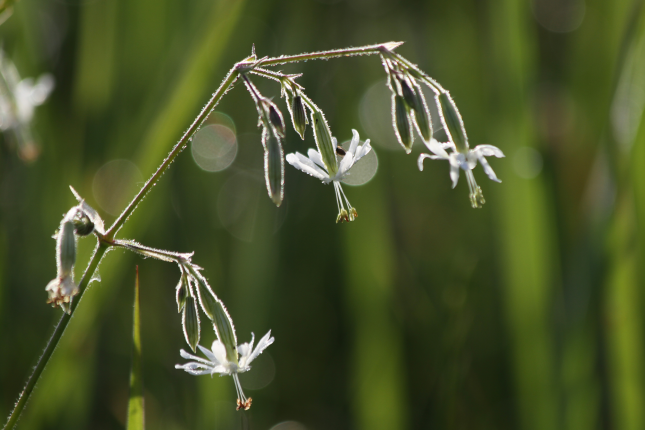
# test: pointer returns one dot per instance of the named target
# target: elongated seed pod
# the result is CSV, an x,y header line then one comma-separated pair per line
x,y
452,122
402,124
190,321
323,138
298,116
273,166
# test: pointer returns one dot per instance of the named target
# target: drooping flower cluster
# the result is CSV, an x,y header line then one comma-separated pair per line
x,y
409,106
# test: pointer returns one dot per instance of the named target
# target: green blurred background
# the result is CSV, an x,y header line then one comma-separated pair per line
x,y
422,314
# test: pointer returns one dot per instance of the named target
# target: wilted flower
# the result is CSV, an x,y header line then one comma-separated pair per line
x,y
218,361
314,166
61,289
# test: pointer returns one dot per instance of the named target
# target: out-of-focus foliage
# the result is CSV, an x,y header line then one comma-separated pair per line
x,y
423,313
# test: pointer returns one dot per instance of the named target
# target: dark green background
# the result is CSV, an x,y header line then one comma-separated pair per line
x,y
422,314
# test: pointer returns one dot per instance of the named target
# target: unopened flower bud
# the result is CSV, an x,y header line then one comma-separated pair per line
x,y
190,322
402,124
452,122
273,166
323,138
181,293
298,116
66,249
275,117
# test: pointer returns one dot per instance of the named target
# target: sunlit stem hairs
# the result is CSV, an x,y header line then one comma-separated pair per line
x,y
329,163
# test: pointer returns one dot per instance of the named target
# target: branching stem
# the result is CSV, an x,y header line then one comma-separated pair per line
x,y
106,241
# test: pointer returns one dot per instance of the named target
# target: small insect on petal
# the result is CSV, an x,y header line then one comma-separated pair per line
x,y
340,151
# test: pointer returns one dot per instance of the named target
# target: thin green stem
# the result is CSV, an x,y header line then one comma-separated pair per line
x,y
146,251
346,52
107,240
99,251
231,77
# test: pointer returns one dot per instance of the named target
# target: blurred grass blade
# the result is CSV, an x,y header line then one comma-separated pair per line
x,y
136,419
525,225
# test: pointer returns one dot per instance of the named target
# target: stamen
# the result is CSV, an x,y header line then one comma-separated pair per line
x,y
351,216
342,213
242,401
476,195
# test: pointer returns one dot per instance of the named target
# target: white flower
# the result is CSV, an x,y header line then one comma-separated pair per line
x,y
218,362
466,162
314,166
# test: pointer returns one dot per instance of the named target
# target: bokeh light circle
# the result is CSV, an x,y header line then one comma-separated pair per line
x,y
527,162
214,147
364,170
114,183
289,425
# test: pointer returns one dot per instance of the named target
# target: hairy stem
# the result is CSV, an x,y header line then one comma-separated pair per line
x,y
106,241
229,80
99,251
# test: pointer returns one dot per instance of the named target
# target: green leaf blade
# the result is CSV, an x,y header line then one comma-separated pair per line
x,y
136,419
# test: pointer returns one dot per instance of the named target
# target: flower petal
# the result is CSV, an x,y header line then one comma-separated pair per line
x,y
189,356
195,368
488,150
302,163
262,345
207,352
219,350
354,144
363,150
436,148
423,157
246,348
345,164
316,158
489,170
454,174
